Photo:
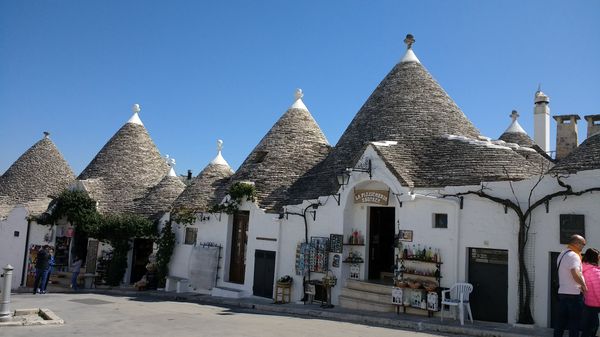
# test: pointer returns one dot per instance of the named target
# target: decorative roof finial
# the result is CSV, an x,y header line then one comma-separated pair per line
x,y
219,160
170,161
136,108
409,40
539,87
298,104
514,115
46,134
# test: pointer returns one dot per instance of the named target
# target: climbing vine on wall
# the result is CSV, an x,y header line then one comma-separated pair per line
x,y
237,193
166,245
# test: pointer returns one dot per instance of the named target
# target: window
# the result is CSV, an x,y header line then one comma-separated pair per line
x,y
440,220
260,156
571,224
190,236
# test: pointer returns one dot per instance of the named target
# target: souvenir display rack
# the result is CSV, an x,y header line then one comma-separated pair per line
x,y
417,280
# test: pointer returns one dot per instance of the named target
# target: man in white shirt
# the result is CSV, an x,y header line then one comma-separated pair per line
x,y
571,287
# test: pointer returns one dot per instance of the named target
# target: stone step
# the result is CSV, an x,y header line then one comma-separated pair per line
x,y
367,295
227,292
369,287
363,304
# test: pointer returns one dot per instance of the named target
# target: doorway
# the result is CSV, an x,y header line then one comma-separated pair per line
x,y
381,243
264,273
488,273
142,248
239,241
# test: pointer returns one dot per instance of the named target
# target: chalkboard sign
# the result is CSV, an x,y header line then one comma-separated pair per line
x,y
336,243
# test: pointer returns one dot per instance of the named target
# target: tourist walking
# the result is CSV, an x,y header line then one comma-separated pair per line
x,y
591,305
75,268
41,267
48,272
571,287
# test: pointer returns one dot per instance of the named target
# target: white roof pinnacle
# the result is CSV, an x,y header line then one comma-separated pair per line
x,y
219,160
298,104
171,162
135,119
410,55
515,127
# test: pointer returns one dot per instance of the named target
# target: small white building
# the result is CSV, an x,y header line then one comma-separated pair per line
x,y
25,190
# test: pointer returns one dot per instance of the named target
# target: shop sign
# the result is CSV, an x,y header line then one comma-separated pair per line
x,y
371,197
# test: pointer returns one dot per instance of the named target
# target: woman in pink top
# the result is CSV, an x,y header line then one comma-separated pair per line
x,y
591,308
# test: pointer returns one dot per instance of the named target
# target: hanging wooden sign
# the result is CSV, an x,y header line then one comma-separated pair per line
x,y
371,197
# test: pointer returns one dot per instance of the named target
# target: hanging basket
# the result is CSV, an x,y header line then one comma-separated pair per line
x,y
329,280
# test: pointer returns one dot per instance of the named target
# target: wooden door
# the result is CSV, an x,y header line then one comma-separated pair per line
x,y
239,241
381,242
264,273
488,273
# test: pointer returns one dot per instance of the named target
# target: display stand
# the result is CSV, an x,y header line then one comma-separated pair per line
x,y
283,291
417,283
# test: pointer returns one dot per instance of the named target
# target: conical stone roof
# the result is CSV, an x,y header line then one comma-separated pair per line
x,y
40,172
201,194
411,108
292,147
585,157
124,169
515,133
160,197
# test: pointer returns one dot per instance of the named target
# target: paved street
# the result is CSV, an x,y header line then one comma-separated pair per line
x,y
103,315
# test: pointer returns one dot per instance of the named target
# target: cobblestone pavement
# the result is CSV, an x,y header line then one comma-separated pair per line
x,y
89,314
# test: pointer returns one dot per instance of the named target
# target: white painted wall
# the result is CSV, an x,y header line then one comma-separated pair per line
x,y
12,249
479,224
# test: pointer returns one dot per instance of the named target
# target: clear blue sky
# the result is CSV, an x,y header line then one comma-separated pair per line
x,y
208,70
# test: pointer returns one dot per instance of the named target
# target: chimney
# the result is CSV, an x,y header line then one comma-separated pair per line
x,y
189,175
566,134
541,120
593,126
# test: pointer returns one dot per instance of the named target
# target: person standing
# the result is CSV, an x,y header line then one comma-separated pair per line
x,y
41,266
75,268
48,272
571,287
591,305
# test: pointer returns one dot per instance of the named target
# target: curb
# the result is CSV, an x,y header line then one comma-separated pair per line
x,y
502,330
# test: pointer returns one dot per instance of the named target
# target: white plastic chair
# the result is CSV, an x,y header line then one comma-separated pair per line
x,y
458,296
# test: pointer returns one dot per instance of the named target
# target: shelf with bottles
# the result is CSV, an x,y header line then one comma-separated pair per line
x,y
356,238
418,254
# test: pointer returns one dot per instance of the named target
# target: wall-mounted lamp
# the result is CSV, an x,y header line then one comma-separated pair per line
x,y
343,177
